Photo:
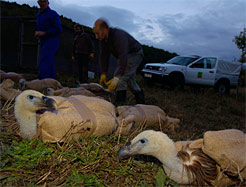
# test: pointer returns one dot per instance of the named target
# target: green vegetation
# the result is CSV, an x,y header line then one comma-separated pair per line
x,y
240,41
26,154
162,179
14,9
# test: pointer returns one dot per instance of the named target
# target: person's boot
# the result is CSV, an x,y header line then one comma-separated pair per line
x,y
139,97
120,98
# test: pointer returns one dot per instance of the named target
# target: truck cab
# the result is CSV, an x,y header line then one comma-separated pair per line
x,y
202,71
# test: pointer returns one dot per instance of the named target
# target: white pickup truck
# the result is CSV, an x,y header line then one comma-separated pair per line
x,y
194,70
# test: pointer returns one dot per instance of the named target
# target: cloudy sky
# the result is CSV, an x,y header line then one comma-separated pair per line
x,y
202,27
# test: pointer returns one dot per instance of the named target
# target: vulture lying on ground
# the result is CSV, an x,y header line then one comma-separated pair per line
x,y
73,117
217,159
40,85
95,87
142,116
7,92
10,75
27,104
98,90
66,92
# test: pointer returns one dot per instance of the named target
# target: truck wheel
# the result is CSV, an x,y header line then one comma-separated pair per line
x,y
223,88
176,82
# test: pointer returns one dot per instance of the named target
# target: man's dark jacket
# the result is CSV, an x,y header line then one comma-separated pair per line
x,y
119,44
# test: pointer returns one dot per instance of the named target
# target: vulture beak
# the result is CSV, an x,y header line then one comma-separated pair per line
x,y
49,103
125,151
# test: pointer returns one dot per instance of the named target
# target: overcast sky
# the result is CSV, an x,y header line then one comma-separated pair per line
x,y
201,27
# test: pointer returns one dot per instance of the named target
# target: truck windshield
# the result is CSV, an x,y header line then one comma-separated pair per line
x,y
184,61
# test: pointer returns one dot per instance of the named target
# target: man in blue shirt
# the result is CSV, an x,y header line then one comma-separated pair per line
x,y
48,30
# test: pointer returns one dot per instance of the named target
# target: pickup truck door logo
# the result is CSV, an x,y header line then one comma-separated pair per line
x,y
199,75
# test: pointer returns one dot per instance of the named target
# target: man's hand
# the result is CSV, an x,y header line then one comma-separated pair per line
x,y
73,58
91,56
103,78
39,34
112,84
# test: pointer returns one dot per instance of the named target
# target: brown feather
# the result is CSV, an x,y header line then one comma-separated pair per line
x,y
198,165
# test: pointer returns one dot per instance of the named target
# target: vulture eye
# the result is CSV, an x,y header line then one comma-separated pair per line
x,y
30,97
142,141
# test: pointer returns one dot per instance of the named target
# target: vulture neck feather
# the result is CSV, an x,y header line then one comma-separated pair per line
x,y
27,123
172,164
188,166
199,166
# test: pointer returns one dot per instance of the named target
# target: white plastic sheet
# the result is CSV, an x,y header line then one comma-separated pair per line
x,y
227,67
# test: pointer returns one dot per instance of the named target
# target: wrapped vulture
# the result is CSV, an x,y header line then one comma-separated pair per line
x,y
73,117
66,92
40,85
98,90
10,75
7,92
94,87
217,159
145,116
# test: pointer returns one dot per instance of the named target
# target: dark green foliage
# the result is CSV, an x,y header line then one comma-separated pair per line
x,y
83,179
162,179
14,9
240,41
153,55
24,154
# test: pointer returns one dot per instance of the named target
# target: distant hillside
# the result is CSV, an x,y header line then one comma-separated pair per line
x,y
14,9
152,54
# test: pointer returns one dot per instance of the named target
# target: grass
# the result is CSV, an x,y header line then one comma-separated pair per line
x,y
93,161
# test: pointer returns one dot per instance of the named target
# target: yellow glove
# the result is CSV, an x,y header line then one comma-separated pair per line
x,y
112,84
103,78
91,56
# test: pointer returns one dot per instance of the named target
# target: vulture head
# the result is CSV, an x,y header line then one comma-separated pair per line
x,y
49,91
22,84
148,142
27,104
